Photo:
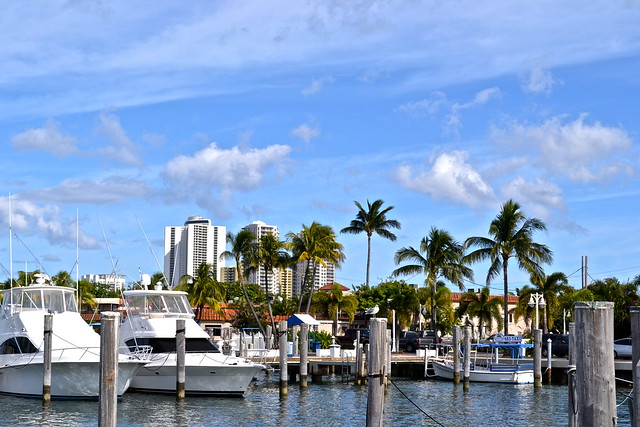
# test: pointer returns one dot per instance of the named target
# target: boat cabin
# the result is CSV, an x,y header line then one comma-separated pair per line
x,y
48,298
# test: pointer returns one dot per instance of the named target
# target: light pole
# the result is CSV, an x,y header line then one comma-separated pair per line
x,y
537,300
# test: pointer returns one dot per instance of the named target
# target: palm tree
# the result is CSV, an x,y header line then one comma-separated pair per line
x,y
268,254
241,246
334,302
63,278
372,220
481,306
512,236
550,287
313,245
439,255
445,315
203,289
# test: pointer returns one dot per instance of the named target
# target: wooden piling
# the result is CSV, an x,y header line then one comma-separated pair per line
x,y
46,380
595,369
108,398
635,358
456,354
467,357
269,338
571,374
388,358
359,361
294,338
282,343
377,368
549,360
537,358
180,360
304,354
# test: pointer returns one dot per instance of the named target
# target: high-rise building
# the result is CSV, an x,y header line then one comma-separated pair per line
x,y
116,282
259,229
285,281
324,275
188,246
229,274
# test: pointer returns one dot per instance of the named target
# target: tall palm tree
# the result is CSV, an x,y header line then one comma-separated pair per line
x,y
269,254
445,315
203,289
481,306
369,221
438,255
241,247
336,301
512,236
550,287
313,245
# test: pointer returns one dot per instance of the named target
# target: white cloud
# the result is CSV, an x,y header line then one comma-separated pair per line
x,y
121,148
450,177
28,218
109,190
426,107
316,85
577,150
541,198
539,80
225,171
306,132
48,139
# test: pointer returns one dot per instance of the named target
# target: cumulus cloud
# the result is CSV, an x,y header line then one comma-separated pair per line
x,y
28,218
539,80
121,148
438,102
451,177
316,85
109,190
224,170
577,150
306,132
48,139
540,197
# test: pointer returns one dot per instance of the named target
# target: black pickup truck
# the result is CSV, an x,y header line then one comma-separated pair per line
x,y
346,340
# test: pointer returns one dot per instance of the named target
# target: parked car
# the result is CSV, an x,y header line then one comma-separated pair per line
x,y
408,341
622,348
349,337
559,344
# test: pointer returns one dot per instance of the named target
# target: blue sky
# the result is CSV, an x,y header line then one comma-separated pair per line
x,y
288,111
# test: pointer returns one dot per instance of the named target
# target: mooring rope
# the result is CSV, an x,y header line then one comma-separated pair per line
x,y
413,403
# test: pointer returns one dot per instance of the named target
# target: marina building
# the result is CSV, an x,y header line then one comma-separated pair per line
x,y
188,246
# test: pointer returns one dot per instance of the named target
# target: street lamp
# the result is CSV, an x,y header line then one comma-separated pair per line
x,y
537,300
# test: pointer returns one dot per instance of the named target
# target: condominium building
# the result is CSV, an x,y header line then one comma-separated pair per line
x,y
115,282
259,229
229,274
324,275
285,280
188,246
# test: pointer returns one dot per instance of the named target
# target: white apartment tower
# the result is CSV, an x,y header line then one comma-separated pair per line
x,y
259,229
186,247
324,276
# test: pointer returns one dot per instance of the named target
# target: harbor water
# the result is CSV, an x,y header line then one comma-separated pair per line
x,y
332,403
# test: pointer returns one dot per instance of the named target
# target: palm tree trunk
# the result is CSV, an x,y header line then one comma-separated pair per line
x,y
506,294
312,285
266,291
303,286
246,297
545,327
368,257
433,307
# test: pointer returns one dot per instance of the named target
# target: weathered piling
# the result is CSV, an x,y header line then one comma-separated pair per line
x,y
549,360
377,366
359,361
294,338
282,342
180,360
46,380
304,354
571,380
107,412
595,369
456,354
269,338
537,358
635,358
467,357
388,358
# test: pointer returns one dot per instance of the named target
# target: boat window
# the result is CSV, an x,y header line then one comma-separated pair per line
x,y
31,299
17,345
53,300
154,304
177,304
168,345
135,304
70,302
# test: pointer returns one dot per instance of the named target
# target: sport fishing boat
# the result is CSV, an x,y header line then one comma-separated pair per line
x,y
75,346
151,321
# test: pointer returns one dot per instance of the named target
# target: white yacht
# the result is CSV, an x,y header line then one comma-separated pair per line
x,y
75,364
151,321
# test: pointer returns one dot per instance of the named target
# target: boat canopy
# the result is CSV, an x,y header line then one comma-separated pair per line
x,y
55,299
153,302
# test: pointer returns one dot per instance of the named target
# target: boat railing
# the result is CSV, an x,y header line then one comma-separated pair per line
x,y
141,352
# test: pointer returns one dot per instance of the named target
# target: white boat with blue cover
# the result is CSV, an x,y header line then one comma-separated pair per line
x,y
151,321
75,364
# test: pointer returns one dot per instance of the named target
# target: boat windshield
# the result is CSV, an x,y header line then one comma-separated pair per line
x,y
158,304
54,299
168,345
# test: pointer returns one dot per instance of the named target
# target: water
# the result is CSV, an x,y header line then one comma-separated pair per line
x,y
328,404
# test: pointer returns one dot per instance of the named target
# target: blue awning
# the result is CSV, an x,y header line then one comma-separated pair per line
x,y
299,319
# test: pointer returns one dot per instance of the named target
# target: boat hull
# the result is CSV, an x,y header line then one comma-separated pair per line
x,y
204,375
69,380
515,375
